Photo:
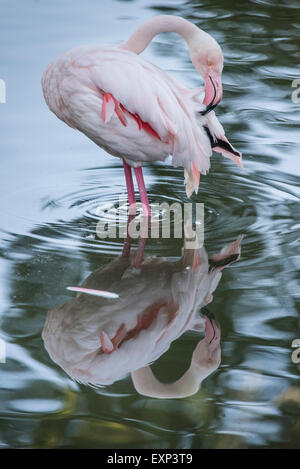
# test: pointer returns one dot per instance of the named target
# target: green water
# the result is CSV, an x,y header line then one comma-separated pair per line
x,y
52,182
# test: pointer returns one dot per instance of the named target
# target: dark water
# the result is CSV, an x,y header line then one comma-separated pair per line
x,y
52,182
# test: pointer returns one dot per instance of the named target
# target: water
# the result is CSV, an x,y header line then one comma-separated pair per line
x,y
52,183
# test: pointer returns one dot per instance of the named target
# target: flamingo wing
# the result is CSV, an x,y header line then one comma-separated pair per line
x,y
157,102
113,96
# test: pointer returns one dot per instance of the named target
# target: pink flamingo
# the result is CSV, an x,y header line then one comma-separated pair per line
x,y
135,111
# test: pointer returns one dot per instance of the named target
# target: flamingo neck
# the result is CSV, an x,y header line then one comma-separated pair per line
x,y
142,37
147,384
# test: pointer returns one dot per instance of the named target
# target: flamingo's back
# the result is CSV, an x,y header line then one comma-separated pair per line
x,y
74,85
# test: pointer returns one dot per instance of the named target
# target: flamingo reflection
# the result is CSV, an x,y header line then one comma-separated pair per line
x,y
126,314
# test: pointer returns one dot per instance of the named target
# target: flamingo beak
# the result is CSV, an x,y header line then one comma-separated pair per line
x,y
212,328
213,91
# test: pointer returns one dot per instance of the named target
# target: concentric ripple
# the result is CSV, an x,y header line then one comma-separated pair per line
x,y
57,187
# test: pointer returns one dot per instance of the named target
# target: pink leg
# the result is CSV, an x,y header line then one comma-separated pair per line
x,y
142,190
129,183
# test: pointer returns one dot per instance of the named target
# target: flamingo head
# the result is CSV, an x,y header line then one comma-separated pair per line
x,y
209,63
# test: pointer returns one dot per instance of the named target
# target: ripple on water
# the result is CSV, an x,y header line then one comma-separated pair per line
x,y
69,219
49,239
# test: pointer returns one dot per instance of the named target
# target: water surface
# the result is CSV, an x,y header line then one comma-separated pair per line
x,y
53,180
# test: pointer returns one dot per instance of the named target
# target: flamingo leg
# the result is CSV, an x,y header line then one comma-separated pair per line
x,y
142,189
129,184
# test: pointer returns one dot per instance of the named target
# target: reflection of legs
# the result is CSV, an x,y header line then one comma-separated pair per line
x,y
127,242
129,183
146,209
142,189
142,242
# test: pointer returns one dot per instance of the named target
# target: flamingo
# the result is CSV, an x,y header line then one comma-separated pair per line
x,y
136,111
101,336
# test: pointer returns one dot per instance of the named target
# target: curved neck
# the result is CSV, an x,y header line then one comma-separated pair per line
x,y
161,24
147,384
